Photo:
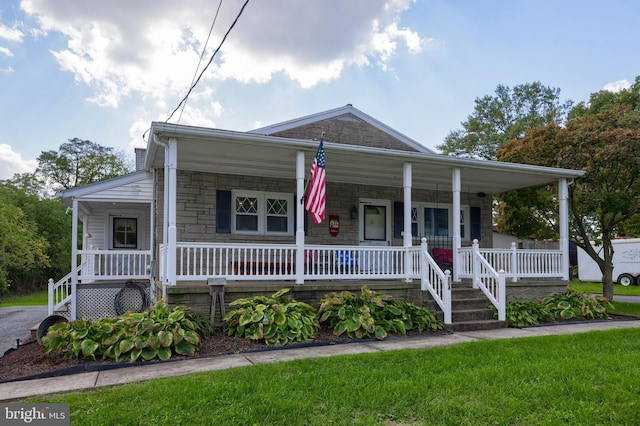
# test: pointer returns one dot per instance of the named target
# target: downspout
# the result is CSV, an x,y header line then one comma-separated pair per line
x,y
165,219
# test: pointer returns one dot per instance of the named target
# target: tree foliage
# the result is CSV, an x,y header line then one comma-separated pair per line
x,y
505,116
80,162
21,246
606,146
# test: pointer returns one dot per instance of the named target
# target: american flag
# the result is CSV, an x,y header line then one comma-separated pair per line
x,y
316,195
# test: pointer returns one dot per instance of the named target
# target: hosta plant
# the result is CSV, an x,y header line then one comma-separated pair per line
x,y
372,314
157,333
577,304
276,319
521,313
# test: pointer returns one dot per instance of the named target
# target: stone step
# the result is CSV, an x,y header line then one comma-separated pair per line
x,y
471,315
476,325
462,304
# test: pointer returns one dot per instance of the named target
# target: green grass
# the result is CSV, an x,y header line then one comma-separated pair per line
x,y
33,299
631,290
626,308
530,381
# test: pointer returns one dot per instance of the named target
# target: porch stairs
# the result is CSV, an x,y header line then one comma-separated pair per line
x,y
469,310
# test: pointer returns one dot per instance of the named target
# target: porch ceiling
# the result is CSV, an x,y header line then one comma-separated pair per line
x,y
238,153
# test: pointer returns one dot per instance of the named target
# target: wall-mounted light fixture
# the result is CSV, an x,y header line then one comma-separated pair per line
x,y
353,213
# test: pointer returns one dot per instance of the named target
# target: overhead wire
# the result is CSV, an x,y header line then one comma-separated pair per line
x,y
210,61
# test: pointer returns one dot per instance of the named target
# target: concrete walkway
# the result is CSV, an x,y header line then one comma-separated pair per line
x,y
95,379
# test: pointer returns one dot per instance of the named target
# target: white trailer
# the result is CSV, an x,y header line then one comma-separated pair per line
x,y
626,262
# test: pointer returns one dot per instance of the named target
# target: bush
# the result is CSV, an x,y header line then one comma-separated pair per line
x,y
276,320
373,315
157,333
576,304
521,313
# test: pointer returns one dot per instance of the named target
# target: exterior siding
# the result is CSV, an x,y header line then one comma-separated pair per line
x,y
196,208
98,225
349,130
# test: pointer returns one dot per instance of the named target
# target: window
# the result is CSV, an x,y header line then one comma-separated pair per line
x,y
125,233
435,220
262,213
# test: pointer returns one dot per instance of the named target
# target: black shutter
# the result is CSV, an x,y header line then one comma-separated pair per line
x,y
398,219
223,212
476,224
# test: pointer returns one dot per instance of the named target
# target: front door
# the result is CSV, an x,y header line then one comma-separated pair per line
x,y
375,230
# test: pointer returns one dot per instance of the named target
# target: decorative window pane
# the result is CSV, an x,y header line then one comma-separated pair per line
x,y
125,233
277,215
246,214
414,221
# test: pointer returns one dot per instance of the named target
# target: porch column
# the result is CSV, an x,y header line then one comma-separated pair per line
x,y
563,197
457,241
171,158
74,259
300,218
407,177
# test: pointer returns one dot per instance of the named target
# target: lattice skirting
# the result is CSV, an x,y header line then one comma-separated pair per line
x,y
96,301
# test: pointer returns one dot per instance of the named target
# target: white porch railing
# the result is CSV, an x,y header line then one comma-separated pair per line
x,y
60,295
114,264
516,263
278,262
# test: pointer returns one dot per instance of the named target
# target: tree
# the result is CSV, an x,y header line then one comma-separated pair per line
x,y
79,162
606,145
507,115
21,248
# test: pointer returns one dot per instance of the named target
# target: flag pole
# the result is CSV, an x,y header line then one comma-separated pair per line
x,y
306,185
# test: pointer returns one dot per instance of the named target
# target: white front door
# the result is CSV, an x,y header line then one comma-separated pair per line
x,y
375,230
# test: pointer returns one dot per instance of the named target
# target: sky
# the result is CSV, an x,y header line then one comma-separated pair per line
x,y
104,70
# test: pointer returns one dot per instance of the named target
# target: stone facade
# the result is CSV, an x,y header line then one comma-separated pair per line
x,y
347,129
196,208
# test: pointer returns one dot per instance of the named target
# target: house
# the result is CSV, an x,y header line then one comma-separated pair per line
x,y
220,207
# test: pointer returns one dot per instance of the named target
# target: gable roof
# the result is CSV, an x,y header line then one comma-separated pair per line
x,y
347,125
136,187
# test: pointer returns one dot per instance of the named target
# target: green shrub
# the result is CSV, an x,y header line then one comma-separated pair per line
x,y
373,315
157,333
521,313
576,304
276,320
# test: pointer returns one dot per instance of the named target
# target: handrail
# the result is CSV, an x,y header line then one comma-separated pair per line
x,y
59,293
491,282
436,281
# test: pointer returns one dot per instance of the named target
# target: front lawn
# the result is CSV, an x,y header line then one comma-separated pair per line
x,y
539,380
34,299
596,288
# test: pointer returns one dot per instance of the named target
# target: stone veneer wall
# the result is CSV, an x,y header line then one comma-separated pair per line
x,y
348,130
196,207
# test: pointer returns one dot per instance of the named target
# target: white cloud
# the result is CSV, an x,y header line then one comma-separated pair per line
x,y
5,51
617,86
11,33
120,48
12,162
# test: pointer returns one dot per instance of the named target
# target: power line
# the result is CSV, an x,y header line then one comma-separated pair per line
x,y
210,61
204,48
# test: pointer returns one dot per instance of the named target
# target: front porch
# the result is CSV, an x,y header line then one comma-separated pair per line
x,y
408,272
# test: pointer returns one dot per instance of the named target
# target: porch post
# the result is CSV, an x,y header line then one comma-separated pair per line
x,y
457,241
171,156
563,197
407,178
300,218
74,259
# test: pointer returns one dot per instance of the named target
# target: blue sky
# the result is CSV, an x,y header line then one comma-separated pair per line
x,y
103,70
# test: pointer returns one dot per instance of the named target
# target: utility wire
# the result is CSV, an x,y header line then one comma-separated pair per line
x,y
206,43
210,61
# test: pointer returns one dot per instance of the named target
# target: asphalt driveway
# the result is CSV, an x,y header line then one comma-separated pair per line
x,y
16,323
